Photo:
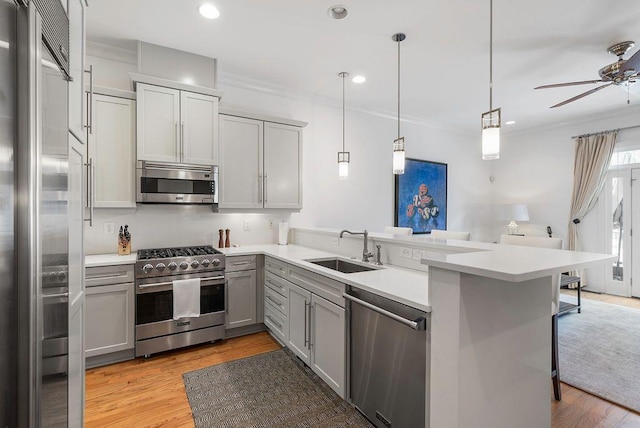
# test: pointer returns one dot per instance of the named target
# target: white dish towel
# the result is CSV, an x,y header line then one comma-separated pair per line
x,y
186,298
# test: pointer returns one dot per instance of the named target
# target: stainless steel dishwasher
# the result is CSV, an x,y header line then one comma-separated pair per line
x,y
389,348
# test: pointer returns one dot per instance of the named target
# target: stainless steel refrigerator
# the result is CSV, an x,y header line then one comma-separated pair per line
x,y
36,377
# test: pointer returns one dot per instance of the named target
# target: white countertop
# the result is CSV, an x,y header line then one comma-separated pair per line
x,y
109,260
509,262
399,284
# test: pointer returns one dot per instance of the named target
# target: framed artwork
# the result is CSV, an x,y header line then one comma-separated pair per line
x,y
421,196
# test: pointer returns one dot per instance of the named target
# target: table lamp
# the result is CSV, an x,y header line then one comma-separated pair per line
x,y
513,213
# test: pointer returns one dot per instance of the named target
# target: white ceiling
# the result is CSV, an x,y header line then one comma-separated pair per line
x,y
445,58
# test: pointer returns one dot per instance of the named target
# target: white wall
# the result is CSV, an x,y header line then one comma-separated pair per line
x,y
365,200
536,168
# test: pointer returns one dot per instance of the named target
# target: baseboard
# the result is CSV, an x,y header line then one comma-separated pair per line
x,y
112,358
243,331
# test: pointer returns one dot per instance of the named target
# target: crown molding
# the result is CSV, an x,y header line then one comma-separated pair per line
x,y
242,82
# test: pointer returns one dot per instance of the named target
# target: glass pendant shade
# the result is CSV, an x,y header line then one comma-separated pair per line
x,y
343,165
398,156
491,135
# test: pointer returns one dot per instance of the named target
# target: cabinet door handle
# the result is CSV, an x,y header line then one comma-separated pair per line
x,y
275,301
175,139
259,187
90,190
182,142
306,340
311,307
265,188
226,296
89,124
274,321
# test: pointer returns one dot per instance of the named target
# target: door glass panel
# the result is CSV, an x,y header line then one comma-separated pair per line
x,y
617,227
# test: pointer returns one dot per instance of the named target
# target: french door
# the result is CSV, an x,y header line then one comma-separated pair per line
x,y
635,238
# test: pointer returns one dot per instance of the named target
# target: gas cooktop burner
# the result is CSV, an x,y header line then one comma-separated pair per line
x,y
166,253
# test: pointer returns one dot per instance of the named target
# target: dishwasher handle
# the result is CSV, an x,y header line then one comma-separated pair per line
x,y
419,323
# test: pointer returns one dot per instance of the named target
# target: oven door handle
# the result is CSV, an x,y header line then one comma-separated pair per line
x,y
159,284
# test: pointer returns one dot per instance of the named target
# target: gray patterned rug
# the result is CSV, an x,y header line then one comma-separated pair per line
x,y
268,390
600,351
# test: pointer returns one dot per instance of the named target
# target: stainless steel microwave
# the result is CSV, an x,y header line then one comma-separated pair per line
x,y
170,183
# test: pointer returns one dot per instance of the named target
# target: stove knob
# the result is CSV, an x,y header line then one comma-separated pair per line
x,y
53,276
173,266
147,268
206,262
62,276
184,265
195,264
215,262
160,266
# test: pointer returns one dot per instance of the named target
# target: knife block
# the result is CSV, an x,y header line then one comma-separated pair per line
x,y
124,247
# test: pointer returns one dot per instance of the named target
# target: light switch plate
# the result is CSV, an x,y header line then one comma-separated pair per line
x,y
247,225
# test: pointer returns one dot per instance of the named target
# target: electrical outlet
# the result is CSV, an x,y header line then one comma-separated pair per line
x,y
406,253
335,241
109,228
417,254
270,227
247,225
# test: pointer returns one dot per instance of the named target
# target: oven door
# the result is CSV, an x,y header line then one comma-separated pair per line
x,y
154,305
176,184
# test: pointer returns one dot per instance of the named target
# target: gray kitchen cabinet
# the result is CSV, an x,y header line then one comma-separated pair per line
x,y
112,147
77,100
260,164
243,295
311,309
110,314
300,322
176,126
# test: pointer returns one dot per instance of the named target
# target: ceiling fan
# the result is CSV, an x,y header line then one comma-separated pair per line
x,y
617,73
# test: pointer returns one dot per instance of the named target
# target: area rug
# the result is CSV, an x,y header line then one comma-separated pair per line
x,y
274,389
600,351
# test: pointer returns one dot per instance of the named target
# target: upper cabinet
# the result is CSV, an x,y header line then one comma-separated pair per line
x,y
112,151
77,100
260,164
176,126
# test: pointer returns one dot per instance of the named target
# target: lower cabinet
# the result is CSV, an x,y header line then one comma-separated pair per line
x,y
110,315
299,314
241,287
317,335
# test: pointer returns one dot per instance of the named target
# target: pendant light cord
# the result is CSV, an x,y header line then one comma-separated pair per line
x,y
399,88
490,55
343,133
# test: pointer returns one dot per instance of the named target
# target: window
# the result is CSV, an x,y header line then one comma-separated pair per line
x,y
625,157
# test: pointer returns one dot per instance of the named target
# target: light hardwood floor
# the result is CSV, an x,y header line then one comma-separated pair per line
x,y
150,393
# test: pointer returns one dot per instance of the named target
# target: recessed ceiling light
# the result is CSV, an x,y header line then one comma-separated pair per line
x,y
338,11
359,79
209,11
510,122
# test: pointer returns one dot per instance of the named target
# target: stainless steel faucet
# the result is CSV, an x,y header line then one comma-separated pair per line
x,y
365,252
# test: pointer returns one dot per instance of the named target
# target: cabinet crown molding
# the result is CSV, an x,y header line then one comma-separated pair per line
x,y
166,83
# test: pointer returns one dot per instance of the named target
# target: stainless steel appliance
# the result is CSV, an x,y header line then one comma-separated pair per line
x,y
170,183
388,358
35,196
156,269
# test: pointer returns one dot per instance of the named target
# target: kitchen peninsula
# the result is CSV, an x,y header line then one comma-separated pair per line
x,y
490,323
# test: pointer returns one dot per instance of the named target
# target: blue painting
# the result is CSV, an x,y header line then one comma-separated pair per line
x,y
421,196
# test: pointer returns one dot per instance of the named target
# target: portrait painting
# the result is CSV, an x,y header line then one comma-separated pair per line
x,y
421,196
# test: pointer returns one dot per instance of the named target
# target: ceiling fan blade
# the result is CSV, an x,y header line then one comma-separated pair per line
x,y
559,85
584,94
632,63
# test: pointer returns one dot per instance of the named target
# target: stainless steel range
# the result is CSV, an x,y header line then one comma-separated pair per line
x,y
156,269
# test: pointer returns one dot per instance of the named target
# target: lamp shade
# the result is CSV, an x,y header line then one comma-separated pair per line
x,y
516,212
491,143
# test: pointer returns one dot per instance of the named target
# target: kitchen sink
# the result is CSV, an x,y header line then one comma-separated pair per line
x,y
341,265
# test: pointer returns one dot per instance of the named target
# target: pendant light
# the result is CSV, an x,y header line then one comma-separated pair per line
x,y
343,156
398,143
491,119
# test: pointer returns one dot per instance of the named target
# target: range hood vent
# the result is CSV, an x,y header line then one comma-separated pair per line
x,y
176,65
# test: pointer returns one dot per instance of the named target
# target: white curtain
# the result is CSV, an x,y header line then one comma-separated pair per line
x,y
592,159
